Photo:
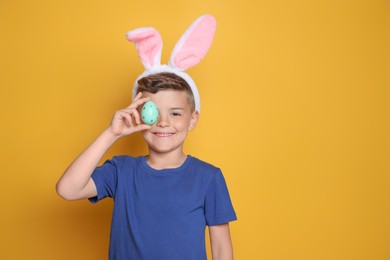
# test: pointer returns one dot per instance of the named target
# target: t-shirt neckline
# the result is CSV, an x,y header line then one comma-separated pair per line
x,y
165,172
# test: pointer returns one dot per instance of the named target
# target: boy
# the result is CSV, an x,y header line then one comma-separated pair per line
x,y
162,201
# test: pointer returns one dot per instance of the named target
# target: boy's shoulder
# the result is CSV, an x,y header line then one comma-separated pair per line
x,y
123,157
203,166
124,160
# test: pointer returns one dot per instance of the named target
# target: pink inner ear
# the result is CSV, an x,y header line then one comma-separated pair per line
x,y
195,43
149,45
187,59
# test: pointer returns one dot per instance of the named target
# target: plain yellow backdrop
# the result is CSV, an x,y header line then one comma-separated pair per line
x,y
295,110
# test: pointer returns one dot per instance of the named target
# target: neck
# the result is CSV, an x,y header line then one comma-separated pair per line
x,y
160,161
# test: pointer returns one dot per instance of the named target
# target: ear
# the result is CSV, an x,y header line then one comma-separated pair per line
x,y
194,120
148,43
194,44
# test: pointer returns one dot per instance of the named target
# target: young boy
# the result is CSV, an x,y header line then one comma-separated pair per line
x,y
163,201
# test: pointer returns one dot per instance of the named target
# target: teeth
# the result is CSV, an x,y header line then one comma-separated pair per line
x,y
163,135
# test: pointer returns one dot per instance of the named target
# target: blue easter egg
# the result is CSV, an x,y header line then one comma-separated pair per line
x,y
149,113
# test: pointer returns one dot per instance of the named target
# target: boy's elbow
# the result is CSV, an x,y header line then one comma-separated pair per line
x,y
64,192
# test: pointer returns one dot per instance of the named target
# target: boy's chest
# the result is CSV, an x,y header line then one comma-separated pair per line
x,y
175,198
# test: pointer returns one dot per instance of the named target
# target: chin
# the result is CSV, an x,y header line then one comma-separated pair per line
x,y
161,149
164,148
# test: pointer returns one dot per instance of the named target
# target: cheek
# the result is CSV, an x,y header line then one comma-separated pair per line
x,y
146,134
183,124
187,127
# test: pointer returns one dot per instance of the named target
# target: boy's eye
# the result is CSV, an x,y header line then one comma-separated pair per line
x,y
176,114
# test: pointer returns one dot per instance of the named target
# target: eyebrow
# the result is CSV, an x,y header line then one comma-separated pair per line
x,y
177,108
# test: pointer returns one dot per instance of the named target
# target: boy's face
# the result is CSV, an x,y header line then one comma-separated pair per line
x,y
175,120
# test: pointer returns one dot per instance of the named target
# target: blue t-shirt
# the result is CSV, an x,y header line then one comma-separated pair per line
x,y
162,214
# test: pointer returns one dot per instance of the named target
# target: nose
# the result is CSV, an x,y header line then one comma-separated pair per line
x,y
162,121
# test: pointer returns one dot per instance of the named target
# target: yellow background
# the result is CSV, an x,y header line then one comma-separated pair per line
x,y
295,110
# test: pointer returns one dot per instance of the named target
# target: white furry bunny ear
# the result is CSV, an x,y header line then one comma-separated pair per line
x,y
194,44
148,44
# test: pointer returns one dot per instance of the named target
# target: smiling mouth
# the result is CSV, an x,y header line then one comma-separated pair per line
x,y
163,134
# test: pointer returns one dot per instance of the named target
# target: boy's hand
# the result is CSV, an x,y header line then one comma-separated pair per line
x,y
127,121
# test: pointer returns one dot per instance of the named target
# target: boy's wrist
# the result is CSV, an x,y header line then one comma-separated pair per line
x,y
110,135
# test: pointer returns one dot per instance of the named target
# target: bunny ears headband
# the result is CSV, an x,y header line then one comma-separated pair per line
x,y
189,51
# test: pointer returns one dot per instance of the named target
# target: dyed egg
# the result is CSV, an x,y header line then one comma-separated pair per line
x,y
149,113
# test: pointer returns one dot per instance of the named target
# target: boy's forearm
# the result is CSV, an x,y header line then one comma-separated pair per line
x,y
77,175
221,244
222,249
223,254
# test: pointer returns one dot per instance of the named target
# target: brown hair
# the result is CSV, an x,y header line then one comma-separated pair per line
x,y
166,81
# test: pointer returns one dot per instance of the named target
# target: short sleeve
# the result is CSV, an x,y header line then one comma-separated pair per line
x,y
218,205
105,179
